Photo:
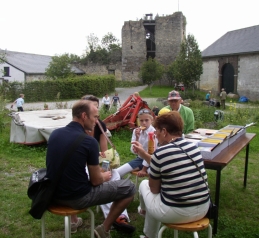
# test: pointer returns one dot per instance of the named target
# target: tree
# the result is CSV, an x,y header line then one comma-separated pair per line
x,y
187,68
113,47
150,71
110,42
74,58
108,52
2,59
93,42
59,67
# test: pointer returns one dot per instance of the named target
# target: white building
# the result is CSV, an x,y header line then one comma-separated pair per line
x,y
24,67
232,62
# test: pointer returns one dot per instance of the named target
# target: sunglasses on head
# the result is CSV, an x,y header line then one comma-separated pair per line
x,y
143,111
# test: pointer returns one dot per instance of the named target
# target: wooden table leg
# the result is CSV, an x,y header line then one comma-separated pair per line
x,y
217,193
246,164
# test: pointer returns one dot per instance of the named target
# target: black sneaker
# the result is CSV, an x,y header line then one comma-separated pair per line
x,y
121,224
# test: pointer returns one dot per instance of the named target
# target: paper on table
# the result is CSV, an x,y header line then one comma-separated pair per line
x,y
208,131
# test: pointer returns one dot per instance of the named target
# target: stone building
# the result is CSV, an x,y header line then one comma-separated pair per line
x,y
158,37
232,62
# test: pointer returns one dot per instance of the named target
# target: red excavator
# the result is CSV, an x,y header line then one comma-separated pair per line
x,y
127,114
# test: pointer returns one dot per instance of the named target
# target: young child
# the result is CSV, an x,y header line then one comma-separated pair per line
x,y
19,103
139,134
115,100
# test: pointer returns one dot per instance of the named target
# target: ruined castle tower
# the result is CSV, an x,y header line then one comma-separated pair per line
x,y
158,37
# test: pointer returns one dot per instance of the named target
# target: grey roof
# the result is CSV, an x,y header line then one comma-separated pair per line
x,y
240,41
31,63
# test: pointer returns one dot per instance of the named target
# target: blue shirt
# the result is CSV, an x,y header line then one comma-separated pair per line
x,y
115,99
19,102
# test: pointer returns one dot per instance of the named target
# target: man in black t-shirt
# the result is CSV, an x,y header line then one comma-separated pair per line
x,y
76,189
122,222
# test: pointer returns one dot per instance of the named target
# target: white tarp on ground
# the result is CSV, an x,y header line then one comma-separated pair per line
x,y
33,127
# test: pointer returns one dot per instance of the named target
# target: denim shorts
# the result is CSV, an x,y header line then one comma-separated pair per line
x,y
136,163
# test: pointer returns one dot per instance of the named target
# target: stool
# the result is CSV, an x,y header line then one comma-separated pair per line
x,y
136,183
192,226
66,212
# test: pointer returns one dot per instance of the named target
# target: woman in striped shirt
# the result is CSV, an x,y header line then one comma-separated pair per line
x,y
176,191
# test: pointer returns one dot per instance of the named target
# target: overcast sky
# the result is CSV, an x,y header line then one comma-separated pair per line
x,y
55,27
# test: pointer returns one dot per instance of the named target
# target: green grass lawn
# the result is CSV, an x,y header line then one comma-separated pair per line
x,y
238,213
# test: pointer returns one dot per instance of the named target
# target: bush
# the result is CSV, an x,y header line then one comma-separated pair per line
x,y
69,88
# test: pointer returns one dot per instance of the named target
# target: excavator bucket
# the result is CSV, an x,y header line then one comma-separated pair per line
x,y
127,114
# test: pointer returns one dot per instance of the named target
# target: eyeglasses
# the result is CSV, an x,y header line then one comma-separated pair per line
x,y
144,111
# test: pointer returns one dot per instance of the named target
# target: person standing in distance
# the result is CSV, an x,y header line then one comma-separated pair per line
x,y
115,100
223,96
106,102
207,97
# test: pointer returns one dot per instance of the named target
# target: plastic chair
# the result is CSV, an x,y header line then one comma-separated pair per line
x,y
66,212
192,226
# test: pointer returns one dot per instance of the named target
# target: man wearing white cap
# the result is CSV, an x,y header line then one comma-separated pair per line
x,y
174,101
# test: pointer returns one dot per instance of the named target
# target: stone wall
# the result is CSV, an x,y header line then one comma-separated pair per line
x,y
209,78
133,49
169,34
34,77
248,76
99,69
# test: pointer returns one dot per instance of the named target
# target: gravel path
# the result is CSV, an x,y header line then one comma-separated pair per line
x,y
123,94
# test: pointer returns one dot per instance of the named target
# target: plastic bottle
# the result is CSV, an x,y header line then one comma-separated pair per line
x,y
151,143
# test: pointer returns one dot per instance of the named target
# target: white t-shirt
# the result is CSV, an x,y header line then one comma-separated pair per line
x,y
106,101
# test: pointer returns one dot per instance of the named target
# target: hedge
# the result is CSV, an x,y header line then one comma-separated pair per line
x,y
60,89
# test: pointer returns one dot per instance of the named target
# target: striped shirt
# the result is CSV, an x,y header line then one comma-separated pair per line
x,y
181,182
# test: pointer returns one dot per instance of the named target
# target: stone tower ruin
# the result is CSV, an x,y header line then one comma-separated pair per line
x,y
158,37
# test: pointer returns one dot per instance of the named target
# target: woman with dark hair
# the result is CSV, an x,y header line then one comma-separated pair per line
x,y
97,133
176,191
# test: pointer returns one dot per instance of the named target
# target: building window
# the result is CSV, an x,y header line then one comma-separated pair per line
x,y
110,71
6,72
